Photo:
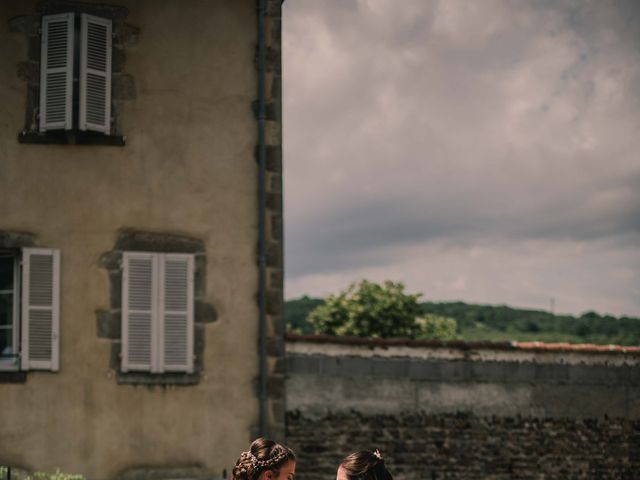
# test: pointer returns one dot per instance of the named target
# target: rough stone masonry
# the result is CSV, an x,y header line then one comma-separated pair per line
x,y
464,411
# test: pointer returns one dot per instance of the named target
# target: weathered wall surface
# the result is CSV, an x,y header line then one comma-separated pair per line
x,y
188,168
465,413
421,446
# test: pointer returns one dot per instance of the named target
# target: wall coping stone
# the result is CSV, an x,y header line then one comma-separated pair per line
x,y
464,345
453,352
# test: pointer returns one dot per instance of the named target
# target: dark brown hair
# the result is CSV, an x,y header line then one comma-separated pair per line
x,y
263,454
365,465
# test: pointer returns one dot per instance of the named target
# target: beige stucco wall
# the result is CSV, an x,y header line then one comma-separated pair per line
x,y
188,168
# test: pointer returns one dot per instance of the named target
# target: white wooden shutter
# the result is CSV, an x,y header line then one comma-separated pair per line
x,y
139,300
40,309
95,74
56,72
176,313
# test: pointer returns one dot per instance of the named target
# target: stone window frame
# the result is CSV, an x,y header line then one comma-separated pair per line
x,y
122,84
109,322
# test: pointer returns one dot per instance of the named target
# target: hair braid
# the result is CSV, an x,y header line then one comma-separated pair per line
x,y
263,455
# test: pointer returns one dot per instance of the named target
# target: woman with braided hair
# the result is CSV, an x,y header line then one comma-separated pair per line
x,y
265,460
363,465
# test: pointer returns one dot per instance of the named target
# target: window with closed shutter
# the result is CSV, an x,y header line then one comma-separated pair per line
x,y
176,313
157,312
40,309
56,72
138,303
86,107
95,74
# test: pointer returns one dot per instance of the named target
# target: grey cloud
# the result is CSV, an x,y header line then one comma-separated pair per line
x,y
457,121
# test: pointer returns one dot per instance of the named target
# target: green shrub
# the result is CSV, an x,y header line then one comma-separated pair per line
x,y
19,474
436,327
368,309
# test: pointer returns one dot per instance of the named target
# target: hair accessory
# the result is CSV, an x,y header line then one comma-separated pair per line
x,y
377,454
263,464
249,456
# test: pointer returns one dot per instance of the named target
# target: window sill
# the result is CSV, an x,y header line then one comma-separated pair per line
x,y
13,377
144,378
71,138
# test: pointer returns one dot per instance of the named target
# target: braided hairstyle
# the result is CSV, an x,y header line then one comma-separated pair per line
x,y
365,465
263,455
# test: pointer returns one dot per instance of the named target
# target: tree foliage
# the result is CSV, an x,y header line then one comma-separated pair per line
x,y
501,322
368,309
297,311
432,326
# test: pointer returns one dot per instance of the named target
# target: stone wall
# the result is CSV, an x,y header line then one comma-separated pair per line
x,y
423,446
273,221
464,411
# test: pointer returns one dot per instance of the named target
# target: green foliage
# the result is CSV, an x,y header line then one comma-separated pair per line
x,y
296,312
503,323
19,474
436,327
58,475
500,322
368,309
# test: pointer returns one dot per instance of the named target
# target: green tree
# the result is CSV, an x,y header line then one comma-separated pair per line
x,y
368,309
436,327
296,313
503,323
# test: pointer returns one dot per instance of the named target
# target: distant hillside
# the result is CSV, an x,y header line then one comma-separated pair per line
x,y
500,323
296,311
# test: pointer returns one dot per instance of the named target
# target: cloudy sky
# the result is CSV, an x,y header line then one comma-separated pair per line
x,y
484,151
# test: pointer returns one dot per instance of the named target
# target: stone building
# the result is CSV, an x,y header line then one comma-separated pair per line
x,y
140,235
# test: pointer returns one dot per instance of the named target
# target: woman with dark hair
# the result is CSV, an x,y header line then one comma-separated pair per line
x,y
265,460
363,465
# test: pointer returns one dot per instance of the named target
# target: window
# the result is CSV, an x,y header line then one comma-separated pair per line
x,y
75,73
157,312
29,309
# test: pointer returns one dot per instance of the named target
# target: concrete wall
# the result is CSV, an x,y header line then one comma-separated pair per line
x,y
323,379
443,412
188,169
